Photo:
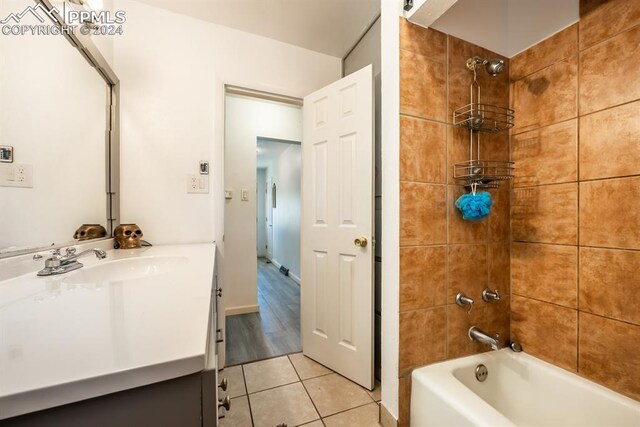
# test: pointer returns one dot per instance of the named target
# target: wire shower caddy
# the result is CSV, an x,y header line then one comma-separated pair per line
x,y
481,118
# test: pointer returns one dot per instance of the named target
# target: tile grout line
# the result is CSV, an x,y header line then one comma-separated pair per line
x,y
246,389
305,389
576,181
566,245
271,388
578,69
448,141
350,409
331,373
606,38
509,222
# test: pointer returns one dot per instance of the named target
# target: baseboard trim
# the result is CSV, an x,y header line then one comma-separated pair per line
x,y
294,278
386,419
276,263
243,309
291,275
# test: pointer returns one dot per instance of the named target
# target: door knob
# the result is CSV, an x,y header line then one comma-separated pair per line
x,y
223,384
361,242
225,403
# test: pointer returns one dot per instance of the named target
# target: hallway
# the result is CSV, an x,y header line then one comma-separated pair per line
x,y
275,330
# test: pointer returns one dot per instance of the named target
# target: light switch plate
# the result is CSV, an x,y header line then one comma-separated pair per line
x,y
245,195
16,175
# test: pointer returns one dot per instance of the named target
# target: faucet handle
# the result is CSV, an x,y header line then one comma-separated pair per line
x,y
71,250
489,295
462,300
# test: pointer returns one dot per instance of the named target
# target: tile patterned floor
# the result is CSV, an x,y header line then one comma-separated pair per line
x,y
296,391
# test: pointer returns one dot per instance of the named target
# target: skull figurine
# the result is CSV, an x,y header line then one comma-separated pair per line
x,y
89,231
127,236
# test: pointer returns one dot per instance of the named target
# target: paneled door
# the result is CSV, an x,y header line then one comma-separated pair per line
x,y
337,227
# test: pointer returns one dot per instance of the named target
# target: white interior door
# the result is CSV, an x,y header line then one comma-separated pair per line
x,y
337,208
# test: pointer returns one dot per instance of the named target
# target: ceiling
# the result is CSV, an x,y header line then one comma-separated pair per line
x,y
268,150
329,26
506,27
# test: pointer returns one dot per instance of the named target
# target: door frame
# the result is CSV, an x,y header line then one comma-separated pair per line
x,y
223,86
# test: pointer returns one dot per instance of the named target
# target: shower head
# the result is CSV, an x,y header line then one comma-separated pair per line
x,y
493,66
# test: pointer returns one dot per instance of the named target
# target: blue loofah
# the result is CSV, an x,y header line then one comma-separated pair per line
x,y
475,206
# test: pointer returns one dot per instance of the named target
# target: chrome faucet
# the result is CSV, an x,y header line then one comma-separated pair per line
x,y
60,264
478,335
488,295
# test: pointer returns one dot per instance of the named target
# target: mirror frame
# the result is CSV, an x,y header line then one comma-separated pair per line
x,y
94,57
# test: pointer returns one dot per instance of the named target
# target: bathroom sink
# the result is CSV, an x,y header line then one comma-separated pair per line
x,y
125,269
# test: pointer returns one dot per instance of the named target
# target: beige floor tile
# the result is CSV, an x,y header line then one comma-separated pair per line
x,y
239,415
235,382
307,368
364,416
376,392
314,424
288,405
332,394
269,374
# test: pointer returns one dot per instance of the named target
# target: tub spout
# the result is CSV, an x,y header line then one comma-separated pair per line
x,y
478,335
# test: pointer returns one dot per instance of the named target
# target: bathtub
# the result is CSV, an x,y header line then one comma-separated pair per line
x,y
519,390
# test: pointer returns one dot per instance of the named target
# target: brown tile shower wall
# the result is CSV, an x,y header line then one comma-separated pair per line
x,y
575,216
440,254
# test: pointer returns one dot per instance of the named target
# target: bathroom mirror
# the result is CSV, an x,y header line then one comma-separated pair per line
x,y
58,124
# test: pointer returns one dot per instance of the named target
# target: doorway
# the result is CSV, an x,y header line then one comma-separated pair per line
x,y
262,224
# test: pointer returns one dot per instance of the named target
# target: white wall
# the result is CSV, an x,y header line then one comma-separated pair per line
x,y
286,174
246,120
391,10
261,200
366,52
53,112
173,70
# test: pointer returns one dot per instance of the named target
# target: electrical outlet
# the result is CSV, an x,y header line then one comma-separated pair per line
x,y
16,175
197,184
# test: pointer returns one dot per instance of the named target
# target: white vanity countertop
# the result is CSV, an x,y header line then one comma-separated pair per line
x,y
72,337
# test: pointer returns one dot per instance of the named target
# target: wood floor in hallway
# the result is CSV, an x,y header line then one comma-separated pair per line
x,y
275,330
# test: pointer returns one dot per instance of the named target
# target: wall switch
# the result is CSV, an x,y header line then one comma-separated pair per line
x,y
245,195
197,184
16,175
